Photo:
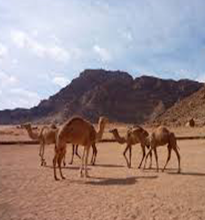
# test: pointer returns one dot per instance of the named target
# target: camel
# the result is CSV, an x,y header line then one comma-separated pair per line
x,y
81,132
160,137
47,136
134,136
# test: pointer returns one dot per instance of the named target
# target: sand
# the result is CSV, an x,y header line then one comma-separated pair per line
x,y
29,191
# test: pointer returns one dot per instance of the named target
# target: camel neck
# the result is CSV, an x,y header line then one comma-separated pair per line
x,y
32,135
101,128
118,138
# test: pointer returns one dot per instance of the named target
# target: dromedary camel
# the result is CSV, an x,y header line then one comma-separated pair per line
x,y
47,135
77,131
134,136
160,137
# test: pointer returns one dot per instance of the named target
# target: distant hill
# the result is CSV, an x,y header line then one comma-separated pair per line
x,y
188,108
114,94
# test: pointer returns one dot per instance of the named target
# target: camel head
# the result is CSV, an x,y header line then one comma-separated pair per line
x,y
113,131
26,126
53,126
117,136
103,120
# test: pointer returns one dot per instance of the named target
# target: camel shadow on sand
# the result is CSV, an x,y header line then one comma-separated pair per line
x,y
187,173
118,181
66,167
108,165
173,171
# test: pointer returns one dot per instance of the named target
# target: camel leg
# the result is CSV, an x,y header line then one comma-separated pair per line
x,y
168,157
96,152
40,151
62,153
149,152
42,148
43,159
82,163
72,156
156,158
86,161
124,153
94,156
178,157
143,156
150,156
130,155
54,165
64,161
76,152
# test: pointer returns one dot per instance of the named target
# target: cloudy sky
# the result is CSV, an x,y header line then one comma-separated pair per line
x,y
44,44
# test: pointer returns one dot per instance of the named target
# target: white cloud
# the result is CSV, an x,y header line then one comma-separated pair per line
x,y
201,78
23,40
7,80
24,93
18,97
102,52
184,73
127,35
14,61
3,51
61,81
13,95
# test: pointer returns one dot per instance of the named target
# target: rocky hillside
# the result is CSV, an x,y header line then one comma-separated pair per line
x,y
114,94
192,107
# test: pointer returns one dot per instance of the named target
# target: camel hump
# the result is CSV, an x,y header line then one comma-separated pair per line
x,y
138,128
75,119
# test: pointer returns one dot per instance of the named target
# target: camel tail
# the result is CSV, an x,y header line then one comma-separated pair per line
x,y
173,140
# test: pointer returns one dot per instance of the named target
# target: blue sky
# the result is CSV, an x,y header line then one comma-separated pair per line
x,y
44,44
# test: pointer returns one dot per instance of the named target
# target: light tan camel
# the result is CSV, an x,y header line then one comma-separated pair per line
x,y
77,131
134,136
160,137
46,136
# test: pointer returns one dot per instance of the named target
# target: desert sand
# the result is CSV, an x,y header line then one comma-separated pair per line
x,y
29,191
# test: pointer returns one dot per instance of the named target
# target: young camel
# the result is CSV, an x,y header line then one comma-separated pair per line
x,y
160,137
47,136
77,131
134,136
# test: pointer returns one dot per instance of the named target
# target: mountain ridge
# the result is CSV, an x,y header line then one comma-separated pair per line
x,y
115,94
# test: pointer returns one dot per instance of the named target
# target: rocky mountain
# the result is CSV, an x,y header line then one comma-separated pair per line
x,y
192,107
114,94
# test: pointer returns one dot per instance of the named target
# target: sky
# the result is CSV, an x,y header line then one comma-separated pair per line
x,y
44,44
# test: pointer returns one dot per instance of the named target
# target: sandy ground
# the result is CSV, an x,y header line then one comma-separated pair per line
x,y
28,191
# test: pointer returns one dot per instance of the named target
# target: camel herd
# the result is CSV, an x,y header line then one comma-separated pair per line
x,y
79,131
